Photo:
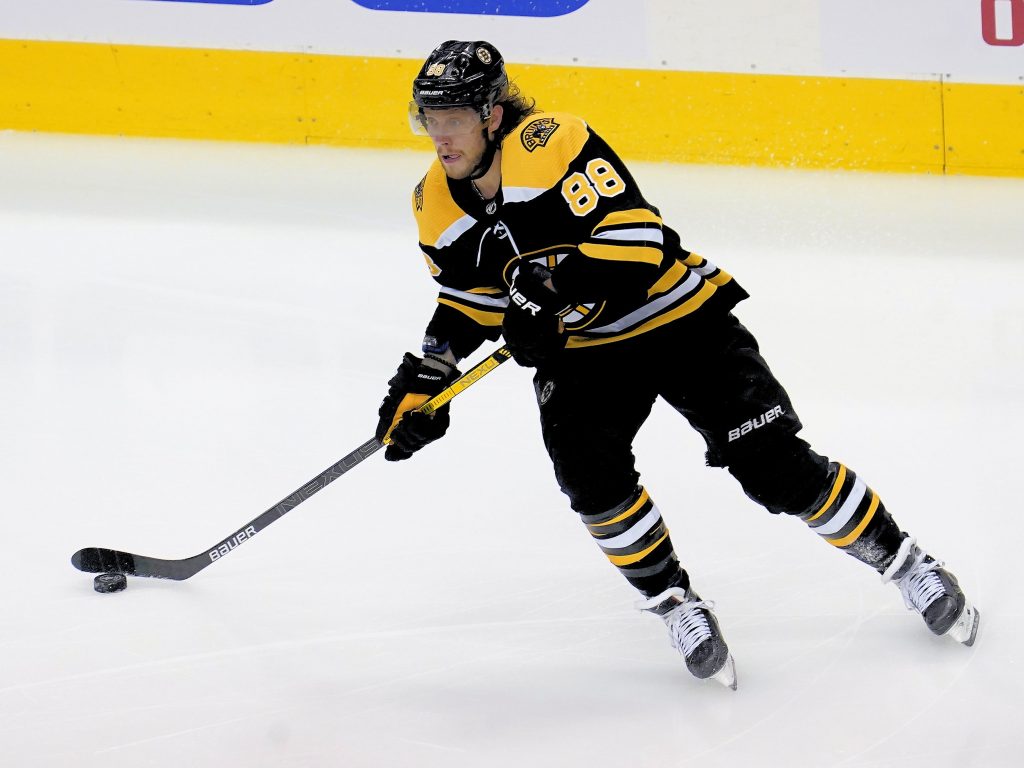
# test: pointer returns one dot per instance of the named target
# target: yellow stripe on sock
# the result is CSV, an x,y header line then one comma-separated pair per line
x,y
633,508
621,560
832,497
853,535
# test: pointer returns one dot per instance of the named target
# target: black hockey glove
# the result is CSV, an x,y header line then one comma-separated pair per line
x,y
407,429
532,327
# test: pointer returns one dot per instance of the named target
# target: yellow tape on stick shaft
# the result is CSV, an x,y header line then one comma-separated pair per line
x,y
471,377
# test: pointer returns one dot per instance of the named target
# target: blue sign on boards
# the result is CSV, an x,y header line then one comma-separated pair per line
x,y
485,7
221,2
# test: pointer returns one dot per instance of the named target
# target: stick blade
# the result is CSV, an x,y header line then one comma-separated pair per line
x,y
101,560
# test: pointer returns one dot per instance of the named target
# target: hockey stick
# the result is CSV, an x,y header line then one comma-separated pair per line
x,y
101,560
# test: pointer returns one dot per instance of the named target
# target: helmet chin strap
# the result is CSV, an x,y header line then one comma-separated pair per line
x,y
481,168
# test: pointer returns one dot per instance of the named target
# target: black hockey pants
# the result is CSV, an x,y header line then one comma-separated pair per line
x,y
594,401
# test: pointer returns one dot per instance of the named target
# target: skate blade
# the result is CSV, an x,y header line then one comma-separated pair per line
x,y
965,630
727,674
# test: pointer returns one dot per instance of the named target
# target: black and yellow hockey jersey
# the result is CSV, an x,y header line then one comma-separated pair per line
x,y
567,202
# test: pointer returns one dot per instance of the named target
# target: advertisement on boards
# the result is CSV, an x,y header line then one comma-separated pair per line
x,y
961,40
485,7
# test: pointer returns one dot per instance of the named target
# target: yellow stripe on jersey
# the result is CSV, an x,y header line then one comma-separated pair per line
x,y
538,152
720,279
688,306
481,316
631,216
434,269
486,291
433,206
669,280
622,252
696,260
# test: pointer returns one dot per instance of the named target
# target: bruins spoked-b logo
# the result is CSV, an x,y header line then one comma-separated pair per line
x,y
484,55
537,133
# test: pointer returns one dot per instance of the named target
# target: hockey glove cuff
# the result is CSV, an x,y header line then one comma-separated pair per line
x,y
404,429
532,327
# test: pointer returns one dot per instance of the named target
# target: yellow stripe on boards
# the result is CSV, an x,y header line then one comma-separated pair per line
x,y
206,94
836,487
984,128
724,118
746,119
853,535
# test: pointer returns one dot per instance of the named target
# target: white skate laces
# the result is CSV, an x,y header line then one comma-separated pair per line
x,y
922,582
688,626
691,624
920,586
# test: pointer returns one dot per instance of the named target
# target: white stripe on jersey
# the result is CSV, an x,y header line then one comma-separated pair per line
x,y
450,235
520,194
652,307
475,298
651,235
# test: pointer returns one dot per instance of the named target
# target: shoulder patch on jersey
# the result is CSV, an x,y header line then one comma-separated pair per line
x,y
525,173
537,132
418,194
438,218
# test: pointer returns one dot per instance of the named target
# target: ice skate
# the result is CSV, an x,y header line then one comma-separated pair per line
x,y
933,592
694,632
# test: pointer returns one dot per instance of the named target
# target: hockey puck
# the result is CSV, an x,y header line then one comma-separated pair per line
x,y
110,582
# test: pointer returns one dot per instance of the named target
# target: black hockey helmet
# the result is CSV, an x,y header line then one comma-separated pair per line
x,y
461,74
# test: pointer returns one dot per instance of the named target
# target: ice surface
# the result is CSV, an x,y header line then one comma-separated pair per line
x,y
190,331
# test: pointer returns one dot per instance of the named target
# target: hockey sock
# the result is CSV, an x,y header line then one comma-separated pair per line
x,y
851,516
634,538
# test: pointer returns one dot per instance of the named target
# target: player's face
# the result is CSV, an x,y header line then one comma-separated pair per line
x,y
458,136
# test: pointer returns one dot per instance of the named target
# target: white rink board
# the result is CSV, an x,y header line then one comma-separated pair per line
x,y
907,39
979,41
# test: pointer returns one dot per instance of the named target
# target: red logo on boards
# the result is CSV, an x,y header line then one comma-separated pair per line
x,y
1002,22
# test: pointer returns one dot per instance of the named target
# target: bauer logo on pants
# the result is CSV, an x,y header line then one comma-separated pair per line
x,y
749,426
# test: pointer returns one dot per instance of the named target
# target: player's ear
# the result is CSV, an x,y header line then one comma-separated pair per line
x,y
494,123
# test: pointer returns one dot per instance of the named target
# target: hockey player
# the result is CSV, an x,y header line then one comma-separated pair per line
x,y
534,229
